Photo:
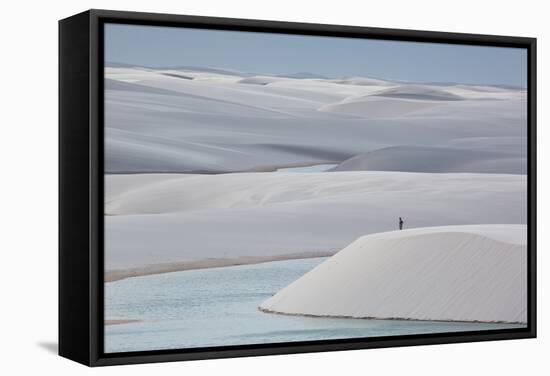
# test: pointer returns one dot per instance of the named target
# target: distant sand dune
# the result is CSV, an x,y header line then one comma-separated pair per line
x,y
152,118
362,81
259,80
419,92
435,159
378,107
173,193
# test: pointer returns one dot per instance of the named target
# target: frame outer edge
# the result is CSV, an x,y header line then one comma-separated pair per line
x,y
74,220
96,357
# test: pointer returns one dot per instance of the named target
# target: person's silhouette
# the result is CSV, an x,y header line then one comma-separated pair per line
x,y
400,223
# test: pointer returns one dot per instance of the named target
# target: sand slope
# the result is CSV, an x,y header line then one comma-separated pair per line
x,y
164,218
436,159
460,273
176,193
194,120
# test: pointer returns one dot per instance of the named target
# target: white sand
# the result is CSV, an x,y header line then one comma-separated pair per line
x,y
166,126
214,120
436,159
456,273
168,218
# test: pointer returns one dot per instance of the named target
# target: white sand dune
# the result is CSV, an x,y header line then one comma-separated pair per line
x,y
210,70
476,92
509,145
250,122
436,159
372,106
166,218
259,80
419,92
362,81
456,273
172,193
302,75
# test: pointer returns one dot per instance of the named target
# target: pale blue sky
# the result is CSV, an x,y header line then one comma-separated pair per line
x,y
266,53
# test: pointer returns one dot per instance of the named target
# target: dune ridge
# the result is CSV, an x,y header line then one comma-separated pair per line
x,y
252,121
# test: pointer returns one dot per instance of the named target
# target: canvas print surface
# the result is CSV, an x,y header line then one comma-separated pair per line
x,y
267,188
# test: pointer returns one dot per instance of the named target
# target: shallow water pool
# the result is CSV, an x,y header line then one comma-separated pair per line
x,y
218,307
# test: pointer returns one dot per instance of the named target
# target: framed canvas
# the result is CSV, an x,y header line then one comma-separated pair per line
x,y
235,187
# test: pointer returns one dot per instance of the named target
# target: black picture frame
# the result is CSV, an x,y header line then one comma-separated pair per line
x,y
81,186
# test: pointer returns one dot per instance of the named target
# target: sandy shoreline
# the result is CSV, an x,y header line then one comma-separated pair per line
x,y
116,275
119,322
265,310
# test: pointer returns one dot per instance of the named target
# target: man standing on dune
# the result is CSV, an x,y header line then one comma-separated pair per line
x,y
400,223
